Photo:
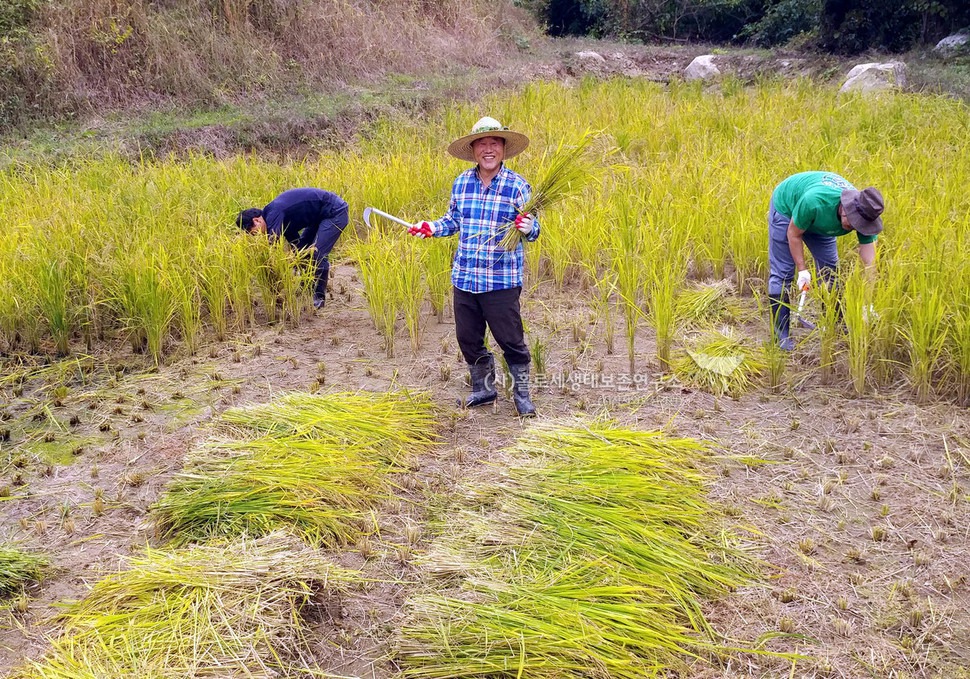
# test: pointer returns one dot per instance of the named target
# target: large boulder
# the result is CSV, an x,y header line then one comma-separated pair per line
x,y
589,55
702,68
953,43
874,77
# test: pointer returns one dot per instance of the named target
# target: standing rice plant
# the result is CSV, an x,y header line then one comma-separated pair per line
x,y
555,249
18,568
960,343
439,254
89,301
661,309
925,333
606,284
144,299
294,271
887,337
748,236
266,276
226,609
241,277
215,281
410,288
627,263
379,269
188,311
53,286
830,324
859,318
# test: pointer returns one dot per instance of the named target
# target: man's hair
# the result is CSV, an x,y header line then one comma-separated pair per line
x,y
245,219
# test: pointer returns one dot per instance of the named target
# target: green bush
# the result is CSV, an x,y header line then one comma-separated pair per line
x,y
15,15
782,21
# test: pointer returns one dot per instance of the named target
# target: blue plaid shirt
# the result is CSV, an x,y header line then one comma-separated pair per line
x,y
482,216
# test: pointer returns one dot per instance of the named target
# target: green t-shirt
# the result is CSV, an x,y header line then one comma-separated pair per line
x,y
811,200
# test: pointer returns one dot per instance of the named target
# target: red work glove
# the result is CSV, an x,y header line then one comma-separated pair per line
x,y
421,230
525,223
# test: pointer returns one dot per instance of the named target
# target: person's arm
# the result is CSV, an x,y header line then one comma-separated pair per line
x,y
450,224
796,244
867,253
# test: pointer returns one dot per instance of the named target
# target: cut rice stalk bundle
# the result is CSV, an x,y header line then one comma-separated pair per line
x,y
18,568
703,303
589,558
561,175
229,609
229,488
393,426
720,364
550,628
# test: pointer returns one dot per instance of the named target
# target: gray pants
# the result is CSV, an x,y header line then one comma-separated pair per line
x,y
781,266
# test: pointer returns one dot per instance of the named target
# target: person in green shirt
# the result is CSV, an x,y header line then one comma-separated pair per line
x,y
813,209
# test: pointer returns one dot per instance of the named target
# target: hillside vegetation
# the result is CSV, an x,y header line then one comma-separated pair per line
x,y
76,57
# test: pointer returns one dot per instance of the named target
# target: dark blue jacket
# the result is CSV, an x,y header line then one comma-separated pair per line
x,y
297,210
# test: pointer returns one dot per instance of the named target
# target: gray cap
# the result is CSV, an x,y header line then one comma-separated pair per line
x,y
862,209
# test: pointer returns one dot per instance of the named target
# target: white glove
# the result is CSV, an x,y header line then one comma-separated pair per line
x,y
525,224
804,281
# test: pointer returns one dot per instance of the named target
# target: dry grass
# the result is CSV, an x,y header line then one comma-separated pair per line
x,y
88,53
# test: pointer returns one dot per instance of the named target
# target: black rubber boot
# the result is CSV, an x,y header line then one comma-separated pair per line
x,y
520,390
781,322
320,284
483,383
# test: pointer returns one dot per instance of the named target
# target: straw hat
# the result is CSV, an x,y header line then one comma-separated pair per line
x,y
862,208
515,142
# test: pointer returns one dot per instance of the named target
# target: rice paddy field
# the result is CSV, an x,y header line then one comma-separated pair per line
x,y
201,476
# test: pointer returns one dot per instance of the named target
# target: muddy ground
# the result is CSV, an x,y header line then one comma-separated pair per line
x,y
858,506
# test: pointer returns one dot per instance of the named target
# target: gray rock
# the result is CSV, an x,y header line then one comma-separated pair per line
x,y
591,56
874,77
952,43
702,68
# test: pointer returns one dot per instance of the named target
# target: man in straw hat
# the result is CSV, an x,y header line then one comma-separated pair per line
x,y
306,218
486,201
813,209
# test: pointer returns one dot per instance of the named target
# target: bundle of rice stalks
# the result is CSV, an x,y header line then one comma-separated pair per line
x,y
392,425
18,568
227,610
232,488
561,175
591,558
317,465
703,303
720,364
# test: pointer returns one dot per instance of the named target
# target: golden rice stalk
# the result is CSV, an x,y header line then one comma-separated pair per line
x,y
313,464
562,175
703,302
392,425
231,609
588,556
17,568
